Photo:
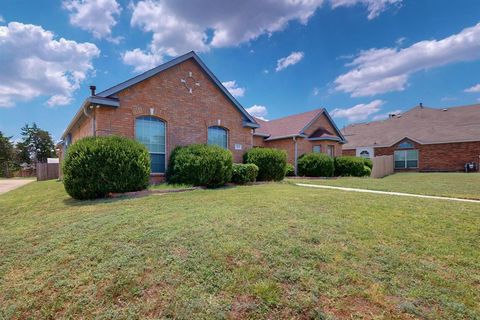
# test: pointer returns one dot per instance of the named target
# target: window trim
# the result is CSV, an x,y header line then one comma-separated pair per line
x,y
406,159
227,132
331,147
166,140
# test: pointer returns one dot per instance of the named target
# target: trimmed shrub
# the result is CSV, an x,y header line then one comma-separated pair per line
x,y
290,170
368,162
315,165
244,173
200,165
367,171
271,163
97,166
349,166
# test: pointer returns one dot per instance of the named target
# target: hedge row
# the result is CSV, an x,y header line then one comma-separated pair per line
x,y
321,165
271,163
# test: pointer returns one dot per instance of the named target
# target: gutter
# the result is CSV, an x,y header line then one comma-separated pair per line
x,y
287,136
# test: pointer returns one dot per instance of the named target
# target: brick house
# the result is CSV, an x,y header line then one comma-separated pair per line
x,y
312,131
181,102
421,139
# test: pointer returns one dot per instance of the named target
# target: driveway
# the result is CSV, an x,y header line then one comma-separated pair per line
x,y
10,184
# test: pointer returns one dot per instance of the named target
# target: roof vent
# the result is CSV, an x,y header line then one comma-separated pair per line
x,y
420,105
392,115
92,90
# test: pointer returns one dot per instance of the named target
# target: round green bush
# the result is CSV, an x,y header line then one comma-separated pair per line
x,y
200,165
368,162
244,173
271,163
97,166
290,170
349,166
315,165
367,171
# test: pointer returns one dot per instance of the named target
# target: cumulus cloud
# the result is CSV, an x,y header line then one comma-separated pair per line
x,y
2,20
179,26
290,60
95,16
33,64
316,91
234,89
374,7
474,89
140,60
377,71
258,111
384,116
358,112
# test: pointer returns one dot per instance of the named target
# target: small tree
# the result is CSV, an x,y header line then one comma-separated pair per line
x,y
6,155
36,146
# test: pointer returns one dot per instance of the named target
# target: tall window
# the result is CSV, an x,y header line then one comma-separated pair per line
x,y
406,159
150,131
317,149
218,136
331,150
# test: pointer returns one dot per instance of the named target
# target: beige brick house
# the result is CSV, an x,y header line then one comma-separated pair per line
x,y
421,139
181,102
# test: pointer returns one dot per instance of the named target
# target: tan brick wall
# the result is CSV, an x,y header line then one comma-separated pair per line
x,y
187,116
441,157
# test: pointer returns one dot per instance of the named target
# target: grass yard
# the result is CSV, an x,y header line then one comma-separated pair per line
x,y
457,185
273,251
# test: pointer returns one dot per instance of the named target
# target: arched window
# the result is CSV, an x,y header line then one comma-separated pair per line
x,y
405,144
150,131
365,154
218,136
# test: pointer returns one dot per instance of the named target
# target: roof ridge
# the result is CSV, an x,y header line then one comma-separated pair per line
x,y
297,114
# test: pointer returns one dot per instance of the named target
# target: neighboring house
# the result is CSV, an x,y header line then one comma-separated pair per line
x,y
421,139
181,102
312,131
177,103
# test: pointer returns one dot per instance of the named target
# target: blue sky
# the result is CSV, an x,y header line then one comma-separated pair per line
x,y
360,59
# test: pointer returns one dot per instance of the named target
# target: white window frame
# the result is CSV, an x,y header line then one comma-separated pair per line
x,y
406,159
166,145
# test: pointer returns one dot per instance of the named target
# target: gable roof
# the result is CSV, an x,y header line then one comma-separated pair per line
x,y
294,125
250,121
108,97
421,124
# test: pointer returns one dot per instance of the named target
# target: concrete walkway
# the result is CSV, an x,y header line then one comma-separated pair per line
x,y
11,184
386,193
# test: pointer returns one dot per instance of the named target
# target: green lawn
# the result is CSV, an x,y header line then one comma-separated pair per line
x,y
458,185
273,251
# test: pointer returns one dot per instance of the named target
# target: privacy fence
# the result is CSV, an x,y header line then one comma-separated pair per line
x,y
382,166
47,171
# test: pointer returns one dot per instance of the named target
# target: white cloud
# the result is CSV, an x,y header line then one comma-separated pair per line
x,y
474,89
258,111
181,26
374,7
290,60
316,91
140,60
34,64
377,71
265,71
95,16
386,115
400,41
2,20
234,89
358,112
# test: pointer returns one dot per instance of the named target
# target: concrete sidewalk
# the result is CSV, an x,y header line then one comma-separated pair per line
x,y
11,184
386,193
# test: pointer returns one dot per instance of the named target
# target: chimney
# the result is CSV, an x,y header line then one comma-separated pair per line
x,y
92,90
420,105
391,115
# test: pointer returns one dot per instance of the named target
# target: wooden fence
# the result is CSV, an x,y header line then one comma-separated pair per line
x,y
47,171
382,166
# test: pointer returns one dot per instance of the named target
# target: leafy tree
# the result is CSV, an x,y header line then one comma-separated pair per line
x,y
6,155
36,146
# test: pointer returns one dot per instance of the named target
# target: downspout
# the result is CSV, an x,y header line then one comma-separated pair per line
x,y
295,154
94,131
